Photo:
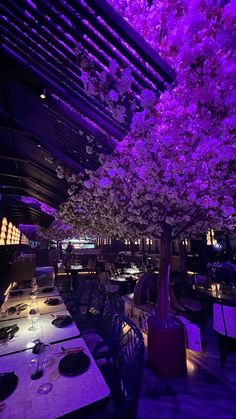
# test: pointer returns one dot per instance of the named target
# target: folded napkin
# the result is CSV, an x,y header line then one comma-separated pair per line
x,y
8,332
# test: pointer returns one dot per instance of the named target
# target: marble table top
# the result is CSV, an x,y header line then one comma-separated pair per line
x,y
43,308
45,331
68,394
27,294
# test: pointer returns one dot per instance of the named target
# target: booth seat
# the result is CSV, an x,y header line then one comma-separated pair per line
x,y
45,276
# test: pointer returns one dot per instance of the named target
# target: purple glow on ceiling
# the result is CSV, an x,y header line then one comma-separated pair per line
x,y
27,226
43,207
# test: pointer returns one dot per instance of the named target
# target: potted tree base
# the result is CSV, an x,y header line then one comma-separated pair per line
x,y
166,338
166,347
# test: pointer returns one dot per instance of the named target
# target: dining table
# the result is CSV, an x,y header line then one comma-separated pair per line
x,y
45,330
125,282
7,313
22,294
226,295
65,393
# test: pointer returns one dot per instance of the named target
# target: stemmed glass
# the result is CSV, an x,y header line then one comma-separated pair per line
x,y
38,366
33,314
34,287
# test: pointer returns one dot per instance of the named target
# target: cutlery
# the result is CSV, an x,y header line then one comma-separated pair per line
x,y
70,350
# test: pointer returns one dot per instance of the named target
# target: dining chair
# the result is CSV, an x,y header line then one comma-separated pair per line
x,y
123,369
224,323
102,311
200,279
188,307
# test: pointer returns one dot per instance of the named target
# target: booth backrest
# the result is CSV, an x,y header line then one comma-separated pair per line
x,y
146,285
22,269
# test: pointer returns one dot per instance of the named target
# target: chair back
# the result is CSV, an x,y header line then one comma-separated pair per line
x,y
200,279
128,358
174,302
23,269
224,320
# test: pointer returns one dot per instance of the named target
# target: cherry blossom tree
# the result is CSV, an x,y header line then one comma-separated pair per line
x,y
173,176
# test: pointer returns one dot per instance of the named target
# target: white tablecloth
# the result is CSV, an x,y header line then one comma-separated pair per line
x,y
68,393
43,308
27,291
46,331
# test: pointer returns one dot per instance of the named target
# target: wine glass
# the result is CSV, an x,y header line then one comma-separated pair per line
x,y
35,368
45,356
37,335
34,287
33,314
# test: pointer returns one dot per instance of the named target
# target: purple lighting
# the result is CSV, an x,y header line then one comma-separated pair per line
x,y
43,207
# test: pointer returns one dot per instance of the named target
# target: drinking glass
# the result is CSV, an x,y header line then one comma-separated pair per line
x,y
45,356
38,365
37,334
34,287
33,314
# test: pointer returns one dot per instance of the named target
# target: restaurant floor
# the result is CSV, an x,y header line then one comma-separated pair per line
x,y
206,391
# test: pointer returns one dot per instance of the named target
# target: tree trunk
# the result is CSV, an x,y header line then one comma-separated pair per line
x,y
183,260
164,274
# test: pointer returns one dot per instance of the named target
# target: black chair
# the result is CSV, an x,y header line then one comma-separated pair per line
x,y
101,313
188,307
122,370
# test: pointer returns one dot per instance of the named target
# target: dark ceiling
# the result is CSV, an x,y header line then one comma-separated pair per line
x,y
37,52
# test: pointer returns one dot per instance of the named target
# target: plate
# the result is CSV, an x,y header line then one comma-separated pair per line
x,y
8,383
52,301
74,364
62,321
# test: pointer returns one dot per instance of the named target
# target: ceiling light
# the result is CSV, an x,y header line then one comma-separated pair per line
x,y
43,94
